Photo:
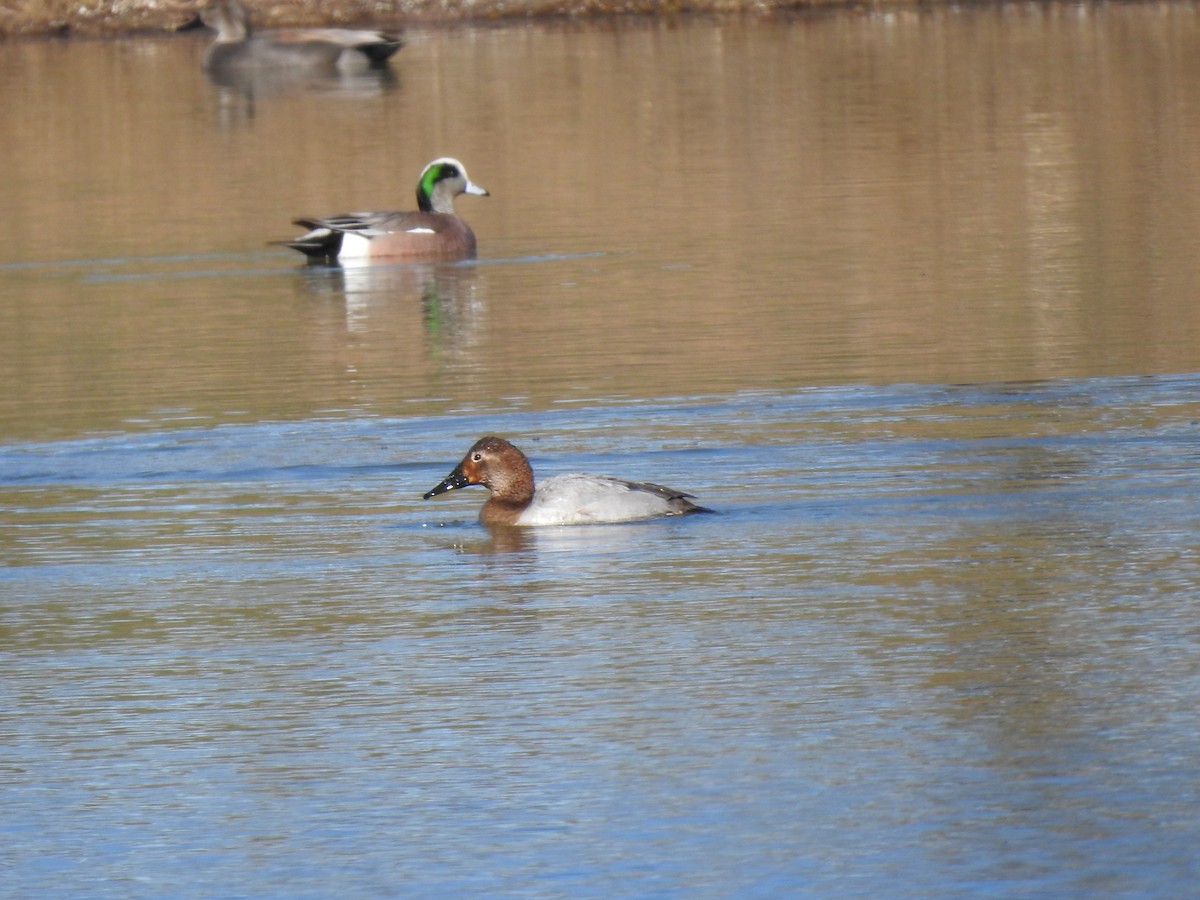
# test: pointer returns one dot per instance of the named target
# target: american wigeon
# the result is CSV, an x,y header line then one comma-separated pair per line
x,y
561,500
238,48
433,232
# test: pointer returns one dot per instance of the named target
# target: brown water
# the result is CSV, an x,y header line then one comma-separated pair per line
x,y
908,297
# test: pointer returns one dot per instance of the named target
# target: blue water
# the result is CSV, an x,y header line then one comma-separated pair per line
x,y
903,658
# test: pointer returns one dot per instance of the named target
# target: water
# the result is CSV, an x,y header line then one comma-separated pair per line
x,y
907,298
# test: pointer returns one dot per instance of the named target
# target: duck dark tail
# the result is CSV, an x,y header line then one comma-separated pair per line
x,y
319,245
682,506
379,51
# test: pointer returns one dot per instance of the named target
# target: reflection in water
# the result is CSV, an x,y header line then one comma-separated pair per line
x,y
517,545
274,82
239,91
449,295
576,542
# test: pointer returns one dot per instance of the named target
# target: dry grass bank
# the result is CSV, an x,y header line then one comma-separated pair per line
x,y
99,17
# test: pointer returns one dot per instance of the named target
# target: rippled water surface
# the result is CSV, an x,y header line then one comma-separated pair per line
x,y
907,298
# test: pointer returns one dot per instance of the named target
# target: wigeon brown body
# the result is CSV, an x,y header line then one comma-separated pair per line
x,y
434,231
239,48
562,500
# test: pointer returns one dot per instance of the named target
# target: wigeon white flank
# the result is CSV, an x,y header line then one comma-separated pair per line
x,y
562,500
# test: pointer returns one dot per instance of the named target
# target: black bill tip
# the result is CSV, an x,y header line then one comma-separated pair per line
x,y
453,481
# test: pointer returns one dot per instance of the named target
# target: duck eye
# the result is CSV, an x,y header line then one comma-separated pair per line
x,y
477,457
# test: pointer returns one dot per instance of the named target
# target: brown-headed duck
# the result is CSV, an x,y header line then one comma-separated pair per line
x,y
562,500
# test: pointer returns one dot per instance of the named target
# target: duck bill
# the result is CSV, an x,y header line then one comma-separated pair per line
x,y
455,480
473,188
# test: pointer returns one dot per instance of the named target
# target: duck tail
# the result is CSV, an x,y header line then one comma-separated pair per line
x,y
320,244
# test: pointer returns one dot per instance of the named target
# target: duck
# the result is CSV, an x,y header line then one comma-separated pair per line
x,y
574,499
434,231
238,48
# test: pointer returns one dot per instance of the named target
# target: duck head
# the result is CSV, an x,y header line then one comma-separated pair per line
x,y
497,465
441,181
228,18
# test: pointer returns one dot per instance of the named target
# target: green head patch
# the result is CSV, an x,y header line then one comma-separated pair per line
x,y
433,174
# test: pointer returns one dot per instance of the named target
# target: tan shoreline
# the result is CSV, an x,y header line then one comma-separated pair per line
x,y
64,18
